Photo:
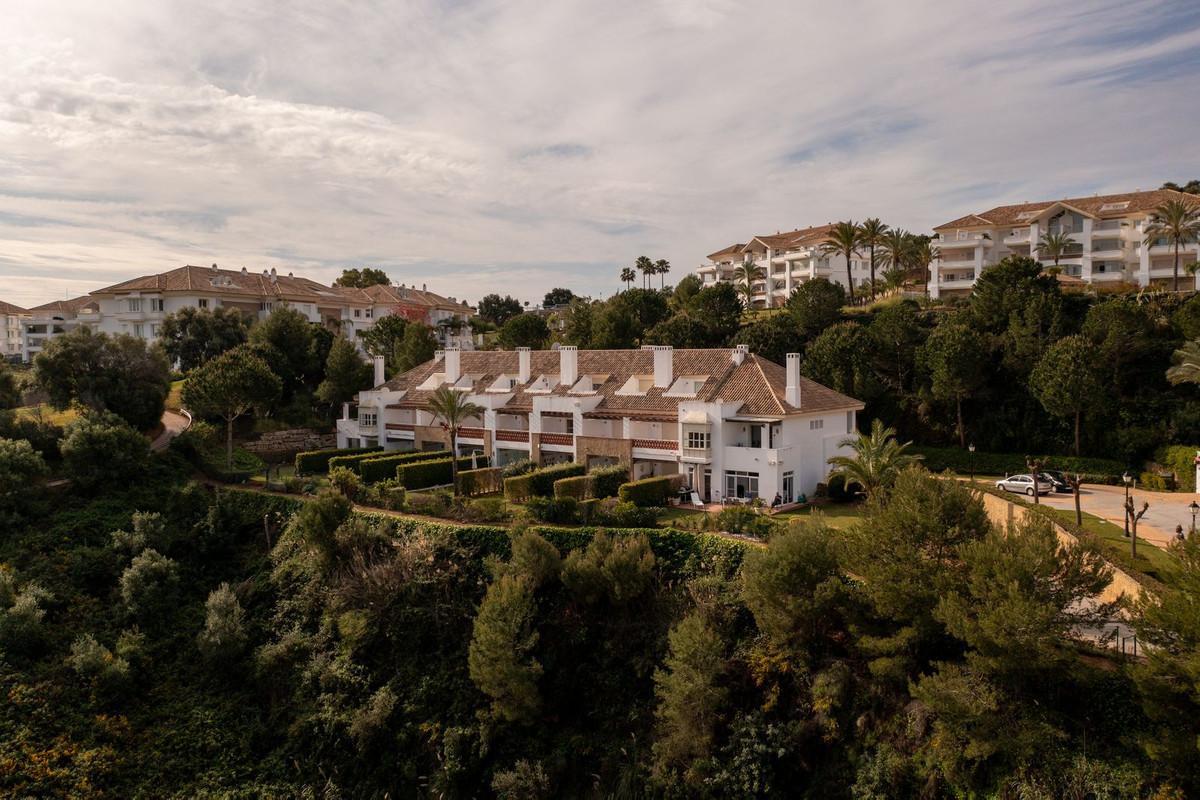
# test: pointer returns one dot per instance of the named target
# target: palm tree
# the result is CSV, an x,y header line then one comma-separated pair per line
x,y
871,235
877,460
745,275
1187,364
628,276
662,267
920,256
844,240
646,267
1177,221
453,409
1056,245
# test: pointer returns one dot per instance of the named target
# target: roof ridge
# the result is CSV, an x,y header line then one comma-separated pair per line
x,y
767,381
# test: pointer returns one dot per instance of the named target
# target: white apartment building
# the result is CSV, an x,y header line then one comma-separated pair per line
x,y
787,260
54,319
12,330
736,425
448,316
1108,229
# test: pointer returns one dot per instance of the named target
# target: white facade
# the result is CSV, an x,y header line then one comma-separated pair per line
x,y
1109,232
12,331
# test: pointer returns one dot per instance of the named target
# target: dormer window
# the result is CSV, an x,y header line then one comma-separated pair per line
x,y
1115,206
433,382
588,384
465,382
637,385
543,385
504,383
1026,215
686,386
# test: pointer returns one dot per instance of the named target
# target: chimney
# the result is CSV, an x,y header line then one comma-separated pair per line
x,y
523,364
423,289
453,370
792,393
214,267
244,271
740,353
568,364
663,366
380,373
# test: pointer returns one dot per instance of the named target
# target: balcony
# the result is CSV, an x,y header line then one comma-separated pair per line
x,y
510,435
954,244
657,444
560,439
1018,237
470,433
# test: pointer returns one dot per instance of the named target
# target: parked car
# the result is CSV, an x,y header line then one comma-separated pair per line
x,y
1058,480
1024,484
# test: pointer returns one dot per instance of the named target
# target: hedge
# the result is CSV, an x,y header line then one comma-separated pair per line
x,y
606,481
382,468
316,461
540,482
1179,459
578,487
479,481
940,459
647,491
423,474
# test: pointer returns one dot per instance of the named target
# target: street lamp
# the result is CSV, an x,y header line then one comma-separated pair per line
x,y
1125,479
1194,507
971,461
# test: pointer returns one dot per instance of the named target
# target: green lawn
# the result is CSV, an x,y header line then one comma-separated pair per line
x,y
836,515
174,401
48,414
1152,561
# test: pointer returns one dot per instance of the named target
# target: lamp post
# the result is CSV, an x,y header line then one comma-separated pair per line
x,y
1125,480
1194,507
971,461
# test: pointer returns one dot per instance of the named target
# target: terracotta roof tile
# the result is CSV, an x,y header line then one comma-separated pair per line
x,y
407,294
72,306
207,280
1094,206
9,308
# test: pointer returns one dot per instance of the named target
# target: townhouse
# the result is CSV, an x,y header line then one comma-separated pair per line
x,y
737,425
12,326
54,319
786,260
1108,232
449,317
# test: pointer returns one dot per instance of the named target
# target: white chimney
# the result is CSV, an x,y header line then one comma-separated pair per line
x,y
740,353
523,364
792,393
453,369
663,366
568,364
380,373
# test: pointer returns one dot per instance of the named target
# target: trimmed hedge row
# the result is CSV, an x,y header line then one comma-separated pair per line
x,y
606,481
940,459
423,474
480,481
1178,458
383,468
315,461
540,482
578,487
647,491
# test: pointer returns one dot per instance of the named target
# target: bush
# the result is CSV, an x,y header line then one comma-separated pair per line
x,y
381,468
518,468
1093,470
317,461
479,481
606,481
20,464
839,492
1152,482
224,636
1178,459
96,664
100,447
346,481
555,510
578,487
540,482
21,616
424,474
618,514
647,491
203,445
486,509
744,520
434,504
148,584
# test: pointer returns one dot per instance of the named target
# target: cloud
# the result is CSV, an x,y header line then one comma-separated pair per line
x,y
483,146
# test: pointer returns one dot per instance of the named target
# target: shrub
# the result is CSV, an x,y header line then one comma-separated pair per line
x,y
617,567
577,487
518,468
1152,482
606,481
203,446
479,481
839,492
434,504
647,491
744,520
423,474
525,781
149,530
381,468
623,514
148,584
224,636
21,616
486,509
98,447
1178,459
1093,470
539,482
19,464
555,510
352,460
96,663
346,481
317,461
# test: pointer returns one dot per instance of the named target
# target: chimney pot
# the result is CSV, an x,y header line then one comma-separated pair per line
x,y
568,364
453,364
380,372
523,364
663,365
740,352
792,393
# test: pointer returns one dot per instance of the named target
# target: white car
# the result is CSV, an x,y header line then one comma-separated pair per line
x,y
1023,484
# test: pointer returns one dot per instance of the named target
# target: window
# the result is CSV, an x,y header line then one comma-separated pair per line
x,y
816,424
366,419
741,484
266,306
789,487
698,440
137,331
368,313
849,422
154,331
202,302
156,304
962,235
135,303
358,312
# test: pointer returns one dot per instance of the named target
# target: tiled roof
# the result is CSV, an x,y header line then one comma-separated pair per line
x,y
9,308
1094,206
384,295
72,306
781,242
733,249
759,384
206,280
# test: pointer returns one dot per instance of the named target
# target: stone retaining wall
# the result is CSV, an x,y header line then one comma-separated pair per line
x,y
290,442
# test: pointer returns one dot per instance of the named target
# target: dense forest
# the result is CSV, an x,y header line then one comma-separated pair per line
x,y
160,637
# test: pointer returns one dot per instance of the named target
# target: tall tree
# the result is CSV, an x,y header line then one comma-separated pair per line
x,y
877,461
896,335
10,391
418,346
499,310
557,297
816,304
362,278
1177,221
1065,380
346,373
382,337
191,336
745,275
661,268
844,239
228,387
921,254
524,330
1056,245
957,366
645,266
628,276
286,339
453,409
871,234
894,249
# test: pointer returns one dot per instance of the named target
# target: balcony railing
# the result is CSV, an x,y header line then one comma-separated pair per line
x,y
401,426
470,433
656,444
567,439
509,435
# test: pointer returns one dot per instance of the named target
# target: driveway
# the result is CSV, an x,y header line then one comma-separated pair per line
x,y
174,424
1167,509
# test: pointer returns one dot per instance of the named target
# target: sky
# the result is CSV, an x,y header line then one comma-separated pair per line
x,y
515,146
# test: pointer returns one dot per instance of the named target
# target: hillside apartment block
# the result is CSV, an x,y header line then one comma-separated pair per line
x,y
1109,231
138,306
737,425
787,260
12,327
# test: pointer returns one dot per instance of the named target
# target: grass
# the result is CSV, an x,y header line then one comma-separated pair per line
x,y
838,516
1151,561
174,397
48,414
673,514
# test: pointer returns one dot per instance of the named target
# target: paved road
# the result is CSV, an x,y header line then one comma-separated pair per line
x,y
173,425
1167,509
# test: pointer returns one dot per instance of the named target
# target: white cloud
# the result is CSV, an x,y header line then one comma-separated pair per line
x,y
485,146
